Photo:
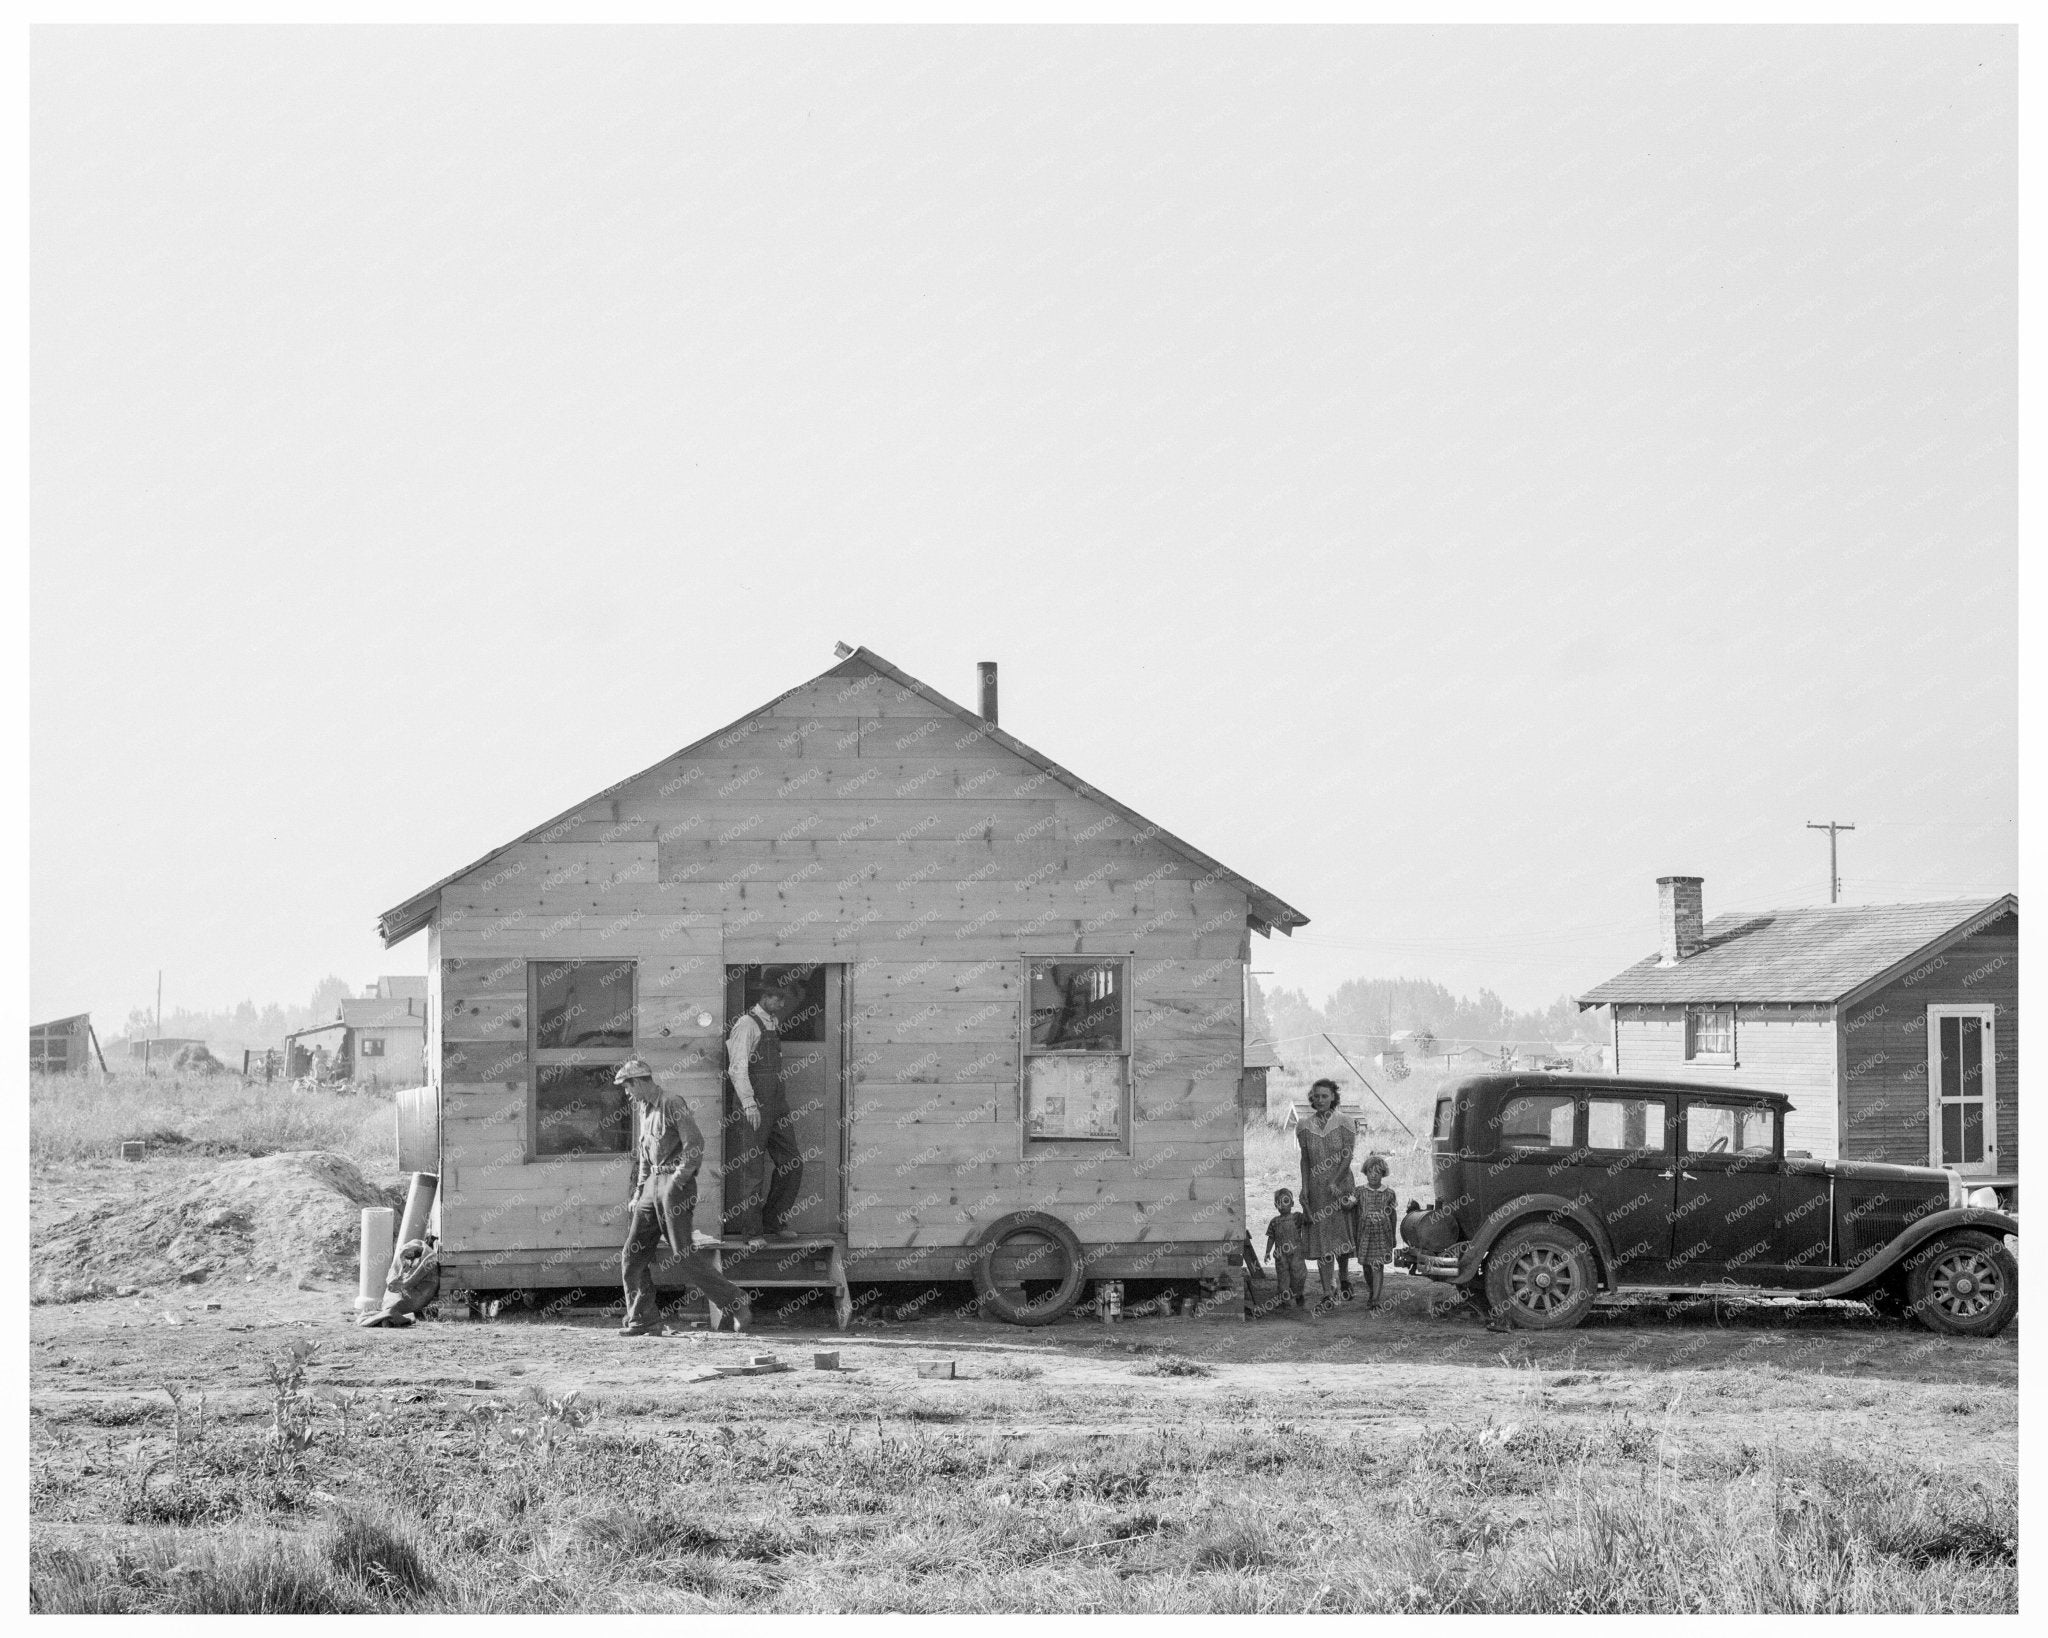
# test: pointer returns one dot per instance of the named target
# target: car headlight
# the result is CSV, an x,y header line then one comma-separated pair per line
x,y
1986,1198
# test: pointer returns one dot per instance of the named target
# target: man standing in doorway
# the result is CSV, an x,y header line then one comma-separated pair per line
x,y
766,1156
667,1151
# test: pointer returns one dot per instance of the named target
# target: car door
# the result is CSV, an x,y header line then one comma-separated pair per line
x,y
1805,1223
1629,1177
1724,1217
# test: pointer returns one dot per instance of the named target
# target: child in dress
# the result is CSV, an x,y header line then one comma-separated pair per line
x,y
1376,1203
1286,1240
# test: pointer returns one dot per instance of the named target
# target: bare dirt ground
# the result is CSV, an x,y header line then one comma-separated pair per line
x,y
1796,1375
1806,1403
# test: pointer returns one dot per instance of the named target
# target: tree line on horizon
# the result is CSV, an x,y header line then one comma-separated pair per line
x,y
1361,1014
245,1025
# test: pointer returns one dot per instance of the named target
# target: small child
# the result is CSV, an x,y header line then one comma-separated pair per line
x,y
1286,1236
1376,1203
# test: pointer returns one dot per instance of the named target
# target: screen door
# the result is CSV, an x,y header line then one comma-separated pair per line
x,y
1961,1088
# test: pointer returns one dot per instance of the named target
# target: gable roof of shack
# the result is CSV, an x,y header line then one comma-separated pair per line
x,y
369,1012
1815,953
1268,911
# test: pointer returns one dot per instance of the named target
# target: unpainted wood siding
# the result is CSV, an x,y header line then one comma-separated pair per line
x,y
855,822
1886,1039
404,1059
1777,1049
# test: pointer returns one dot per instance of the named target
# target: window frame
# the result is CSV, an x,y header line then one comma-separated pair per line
x,y
1120,1141
1665,1106
1571,1099
1682,1138
370,1046
1694,1052
539,1057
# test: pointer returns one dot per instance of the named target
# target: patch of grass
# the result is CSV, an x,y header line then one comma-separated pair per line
x,y
637,1536
530,1509
382,1556
266,1576
120,1415
1173,1365
1239,1544
74,1119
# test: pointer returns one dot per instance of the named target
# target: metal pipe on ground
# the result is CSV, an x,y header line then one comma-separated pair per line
x,y
419,1208
375,1263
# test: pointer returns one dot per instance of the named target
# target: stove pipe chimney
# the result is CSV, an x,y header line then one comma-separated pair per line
x,y
988,692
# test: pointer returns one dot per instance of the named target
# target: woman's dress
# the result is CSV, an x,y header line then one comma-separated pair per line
x,y
1326,1148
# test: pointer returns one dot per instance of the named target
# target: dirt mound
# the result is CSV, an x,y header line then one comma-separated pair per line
x,y
292,1215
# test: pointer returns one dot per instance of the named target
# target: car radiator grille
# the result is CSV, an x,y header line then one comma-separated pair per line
x,y
1871,1220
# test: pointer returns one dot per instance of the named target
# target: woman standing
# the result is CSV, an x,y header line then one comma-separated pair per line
x,y
1327,1140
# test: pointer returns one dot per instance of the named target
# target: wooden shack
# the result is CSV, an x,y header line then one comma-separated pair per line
x,y
1259,1059
1020,996
64,1046
387,1036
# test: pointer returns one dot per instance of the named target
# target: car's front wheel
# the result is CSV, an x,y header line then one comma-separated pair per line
x,y
1965,1284
1540,1278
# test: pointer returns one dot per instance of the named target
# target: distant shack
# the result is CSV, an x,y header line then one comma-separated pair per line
x,y
64,1046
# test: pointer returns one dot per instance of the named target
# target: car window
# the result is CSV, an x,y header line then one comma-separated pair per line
x,y
1721,1128
1444,1110
1625,1123
1537,1120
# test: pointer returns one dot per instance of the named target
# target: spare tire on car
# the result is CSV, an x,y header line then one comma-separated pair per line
x,y
1028,1269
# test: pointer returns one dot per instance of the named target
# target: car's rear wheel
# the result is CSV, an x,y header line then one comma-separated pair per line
x,y
1965,1284
1540,1278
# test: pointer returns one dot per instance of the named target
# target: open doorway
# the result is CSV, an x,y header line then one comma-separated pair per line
x,y
813,1084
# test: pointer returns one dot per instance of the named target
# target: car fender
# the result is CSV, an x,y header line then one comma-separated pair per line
x,y
1910,1239
1546,1207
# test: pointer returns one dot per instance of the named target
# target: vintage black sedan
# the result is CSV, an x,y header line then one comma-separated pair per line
x,y
1554,1190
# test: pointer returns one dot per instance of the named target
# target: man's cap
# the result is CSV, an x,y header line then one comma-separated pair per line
x,y
633,1069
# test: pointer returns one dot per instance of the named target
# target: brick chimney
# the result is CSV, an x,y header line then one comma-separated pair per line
x,y
1681,922
988,692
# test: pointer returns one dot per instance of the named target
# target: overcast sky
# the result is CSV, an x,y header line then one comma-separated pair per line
x,y
1453,477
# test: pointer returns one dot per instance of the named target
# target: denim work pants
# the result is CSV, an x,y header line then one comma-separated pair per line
x,y
769,1164
644,1248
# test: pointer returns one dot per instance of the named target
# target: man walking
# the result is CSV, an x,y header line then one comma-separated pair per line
x,y
667,1152
765,1154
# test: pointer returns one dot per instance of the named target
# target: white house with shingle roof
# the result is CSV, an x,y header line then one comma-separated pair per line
x,y
1894,1028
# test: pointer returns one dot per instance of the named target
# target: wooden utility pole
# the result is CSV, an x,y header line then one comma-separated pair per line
x,y
1834,875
